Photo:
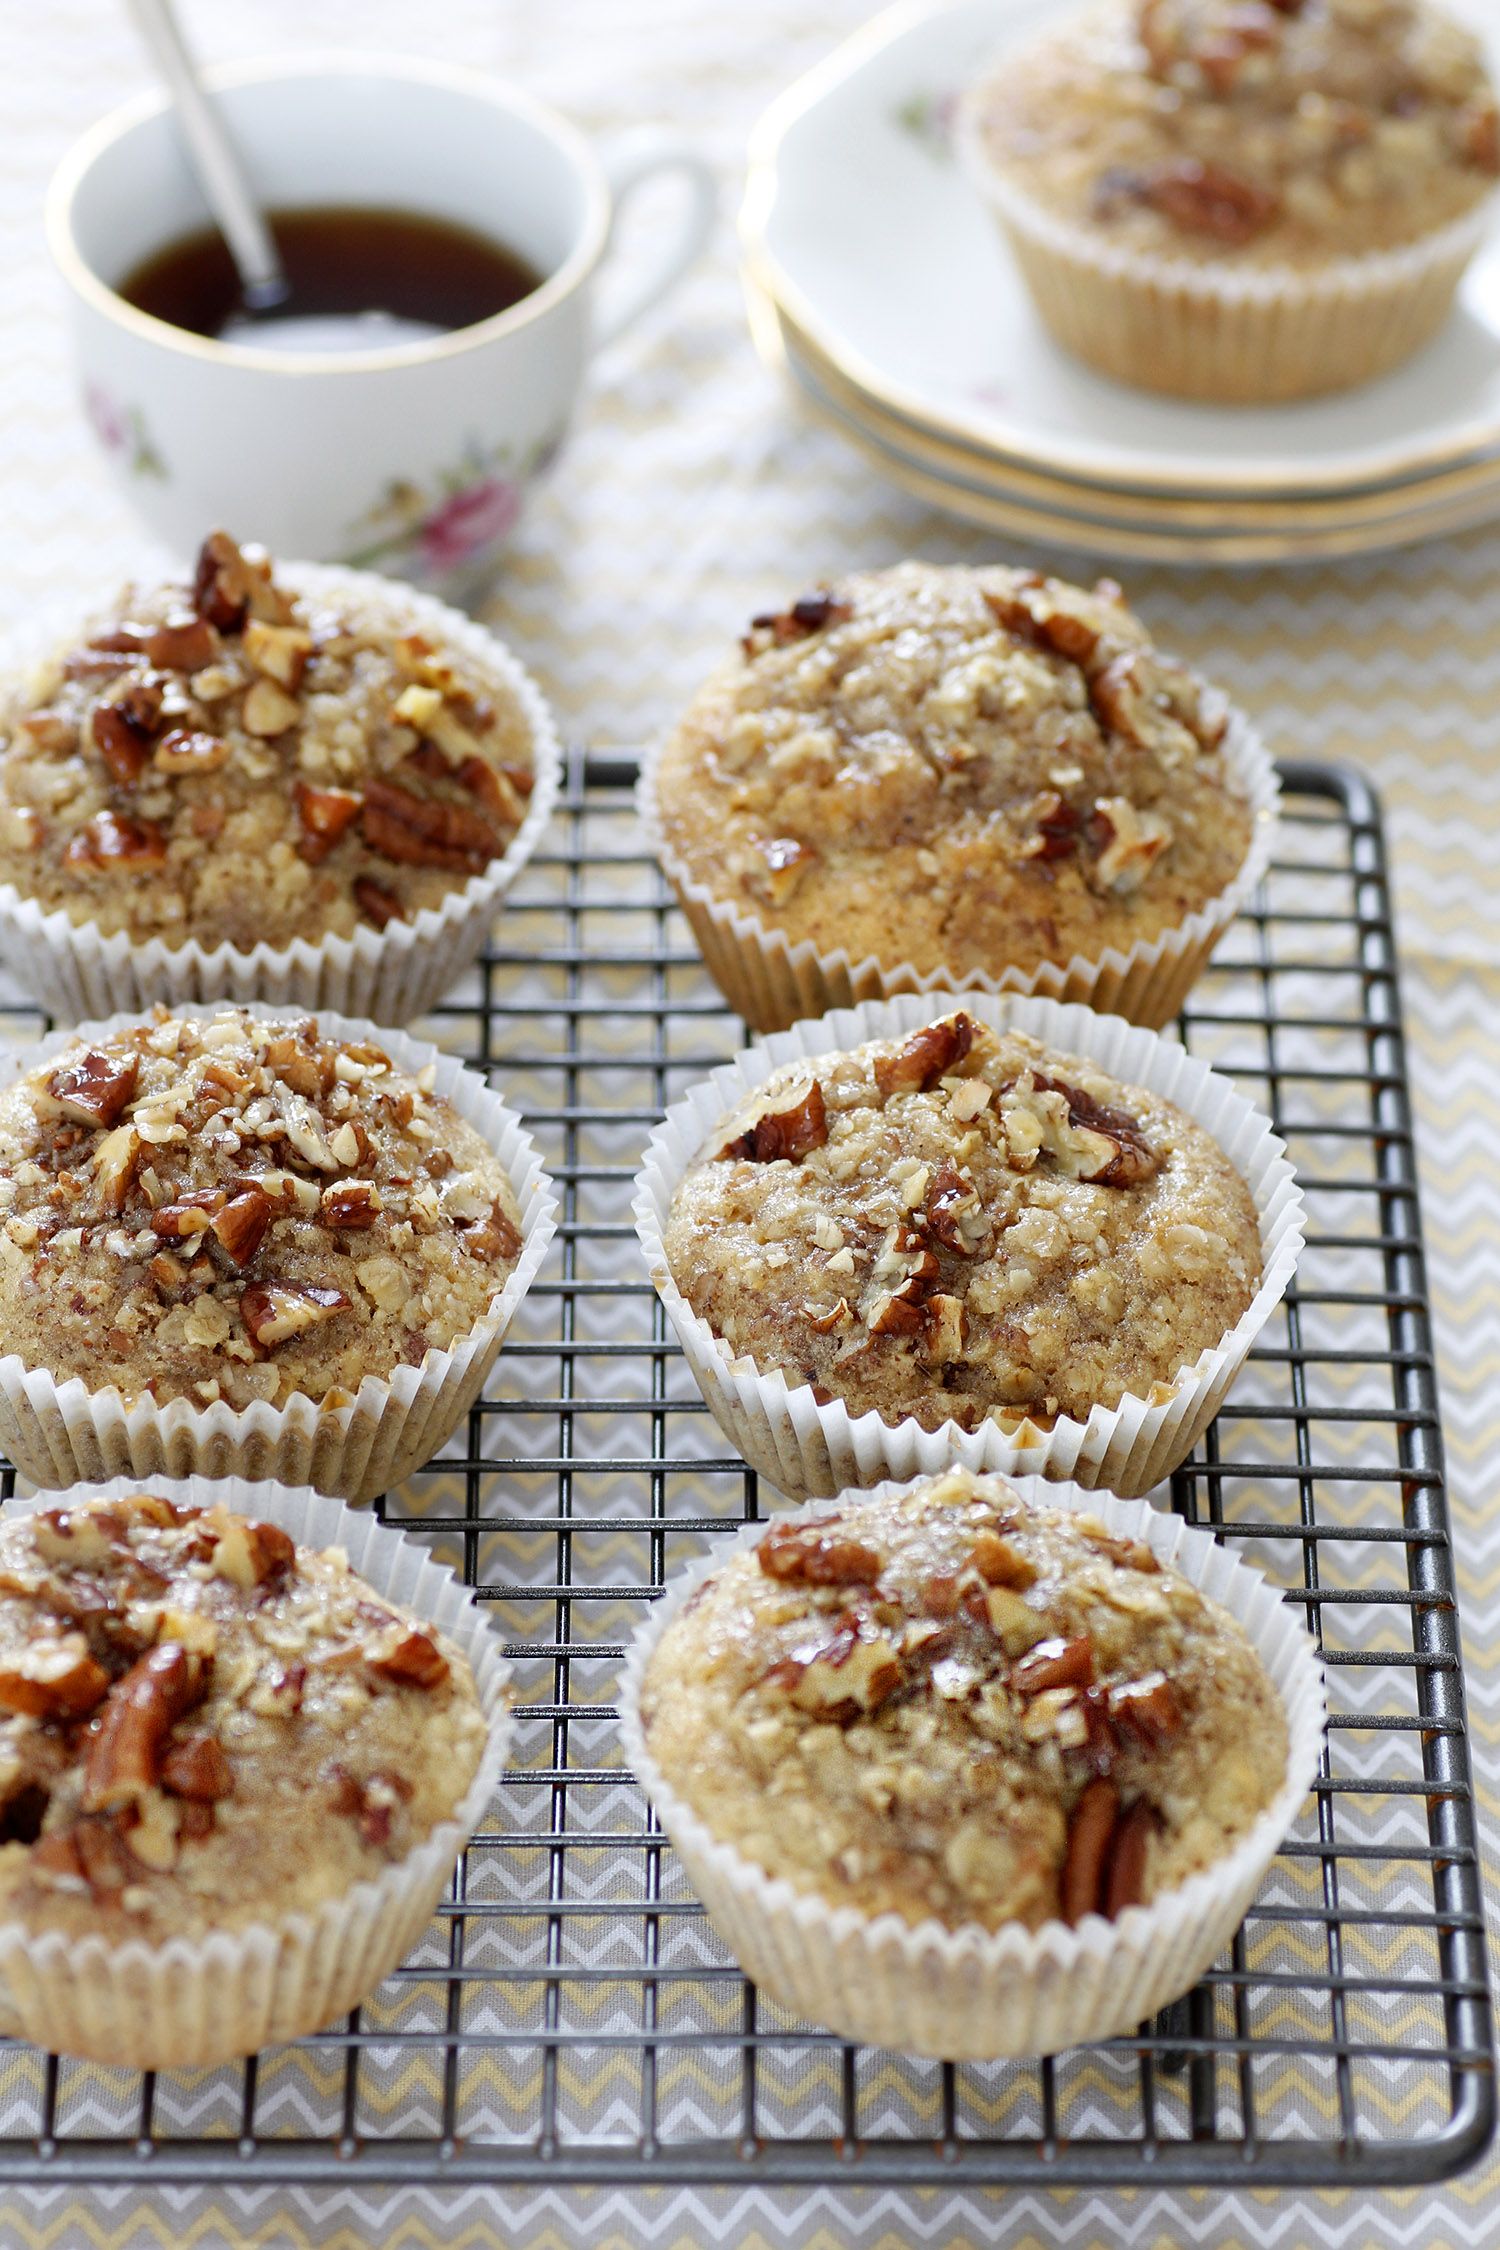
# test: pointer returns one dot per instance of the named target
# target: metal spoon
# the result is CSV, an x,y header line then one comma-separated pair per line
x,y
215,160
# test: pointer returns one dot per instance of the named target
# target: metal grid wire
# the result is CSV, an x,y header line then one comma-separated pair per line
x,y
571,2016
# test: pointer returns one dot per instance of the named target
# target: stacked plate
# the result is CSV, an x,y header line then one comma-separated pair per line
x,y
878,283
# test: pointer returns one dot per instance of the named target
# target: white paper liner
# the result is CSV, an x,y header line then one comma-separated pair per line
x,y
808,1450
1215,330
974,1994
197,2001
59,1433
773,983
391,975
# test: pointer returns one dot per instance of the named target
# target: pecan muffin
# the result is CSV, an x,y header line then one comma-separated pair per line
x,y
237,1208
953,773
940,1703
240,761
205,1727
1311,172
963,1225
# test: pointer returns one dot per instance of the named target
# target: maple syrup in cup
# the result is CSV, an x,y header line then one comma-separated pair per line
x,y
408,450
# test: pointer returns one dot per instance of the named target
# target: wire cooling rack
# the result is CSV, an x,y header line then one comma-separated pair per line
x,y
571,2016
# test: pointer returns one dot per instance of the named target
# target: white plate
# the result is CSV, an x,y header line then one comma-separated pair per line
x,y
858,219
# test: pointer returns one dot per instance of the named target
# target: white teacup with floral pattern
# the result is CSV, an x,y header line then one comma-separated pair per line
x,y
414,457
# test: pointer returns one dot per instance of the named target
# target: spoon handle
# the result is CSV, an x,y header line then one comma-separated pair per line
x,y
214,157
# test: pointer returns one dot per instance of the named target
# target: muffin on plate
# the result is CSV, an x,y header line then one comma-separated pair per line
x,y
938,776
942,1712
253,760
213,1740
1240,200
1009,1233
233,1210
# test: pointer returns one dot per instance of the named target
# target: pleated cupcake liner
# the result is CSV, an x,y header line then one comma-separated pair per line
x,y
806,1448
772,982
74,971
59,1433
193,2002
968,1993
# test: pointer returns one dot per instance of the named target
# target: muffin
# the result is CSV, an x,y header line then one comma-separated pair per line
x,y
213,1740
251,761
1003,1231
939,776
944,1711
1240,202
237,1211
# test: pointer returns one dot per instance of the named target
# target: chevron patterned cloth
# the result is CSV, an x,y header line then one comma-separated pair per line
x,y
691,494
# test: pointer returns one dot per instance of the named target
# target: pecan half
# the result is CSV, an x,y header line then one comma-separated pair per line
x,y
1089,1834
415,1661
787,1133
112,840
377,905
139,1712
925,1057
197,1768
1125,1872
277,1310
52,1679
422,832
95,1088
812,1554
240,1227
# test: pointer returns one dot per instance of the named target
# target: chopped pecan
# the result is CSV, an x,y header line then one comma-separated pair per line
x,y
185,642
494,1237
125,728
1089,1832
50,731
493,787
117,1160
826,1320
841,1676
187,751
196,1767
268,710
1481,138
52,1679
240,1227
301,1061
274,1311
1000,1564
280,651
192,1214
415,1661
248,1551
953,1215
1057,829
1055,1664
371,1803
790,1132
1202,199
899,1312
377,905
1043,612
945,1326
324,814
926,1056
350,1203
1134,841
230,584
112,840
809,613
422,832
787,862
1123,1157
138,1714
1125,1873
812,1554
102,1855
1146,1709
95,1088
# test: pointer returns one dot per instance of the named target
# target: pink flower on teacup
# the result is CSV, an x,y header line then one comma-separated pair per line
x,y
471,520
106,419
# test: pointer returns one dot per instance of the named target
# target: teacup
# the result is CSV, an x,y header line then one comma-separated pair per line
x,y
413,458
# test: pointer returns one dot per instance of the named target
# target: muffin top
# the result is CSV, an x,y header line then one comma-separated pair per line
x,y
241,1208
941,1702
231,761
1266,132
956,768
203,1725
964,1225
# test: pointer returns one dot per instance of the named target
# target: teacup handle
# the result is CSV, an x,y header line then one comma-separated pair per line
x,y
628,167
